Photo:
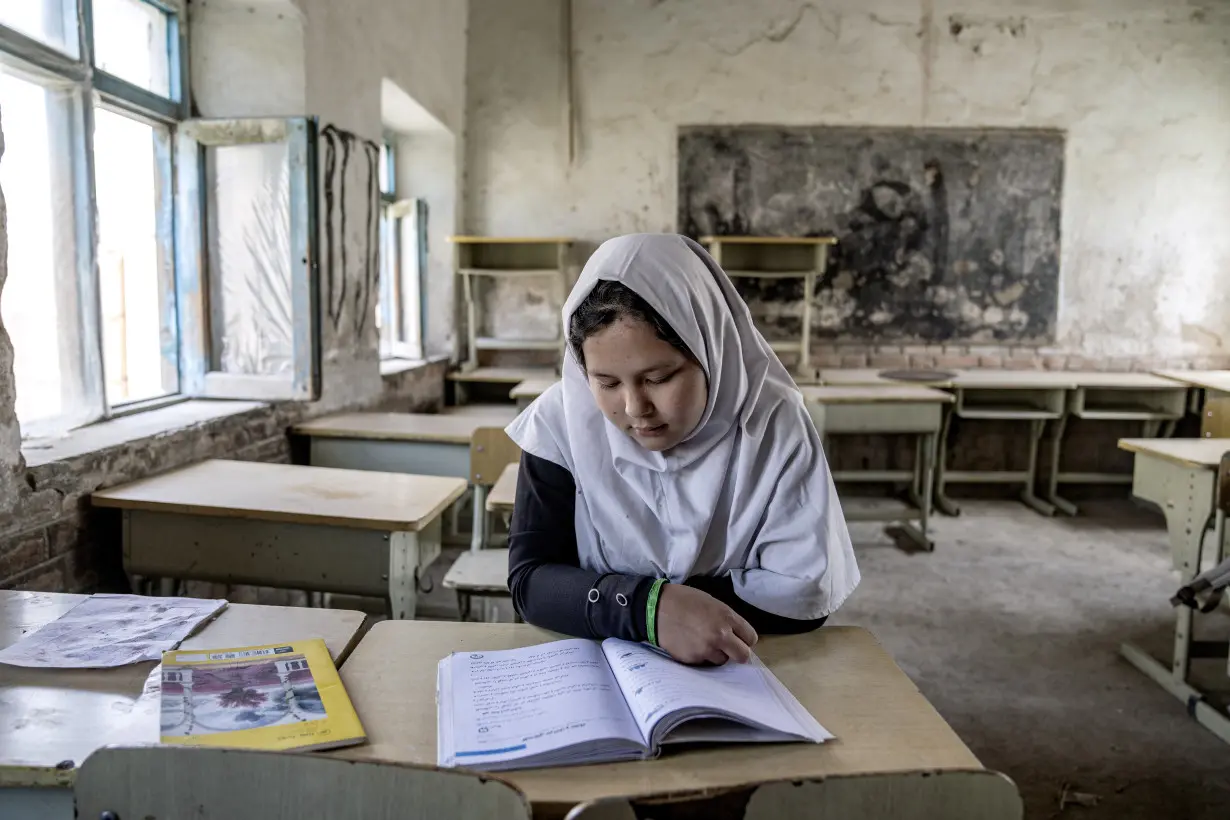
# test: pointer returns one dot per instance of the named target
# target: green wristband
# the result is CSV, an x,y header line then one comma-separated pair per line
x,y
651,611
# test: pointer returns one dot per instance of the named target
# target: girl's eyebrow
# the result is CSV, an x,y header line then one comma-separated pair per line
x,y
647,370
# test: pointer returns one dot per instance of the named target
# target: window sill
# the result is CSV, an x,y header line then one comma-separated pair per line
x,y
396,367
128,429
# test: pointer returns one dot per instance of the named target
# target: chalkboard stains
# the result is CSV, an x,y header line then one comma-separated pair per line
x,y
340,146
944,234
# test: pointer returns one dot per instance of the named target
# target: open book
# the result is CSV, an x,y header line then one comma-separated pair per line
x,y
276,697
580,701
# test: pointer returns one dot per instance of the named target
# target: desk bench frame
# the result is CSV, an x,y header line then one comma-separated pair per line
x,y
922,419
1186,496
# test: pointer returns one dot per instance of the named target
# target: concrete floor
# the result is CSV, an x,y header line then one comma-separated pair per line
x,y
1011,628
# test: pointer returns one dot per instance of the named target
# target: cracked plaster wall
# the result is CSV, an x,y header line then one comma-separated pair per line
x,y
1141,87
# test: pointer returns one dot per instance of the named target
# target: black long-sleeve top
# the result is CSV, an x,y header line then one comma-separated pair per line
x,y
550,588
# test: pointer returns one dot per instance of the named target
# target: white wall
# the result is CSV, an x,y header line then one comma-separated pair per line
x,y
1142,88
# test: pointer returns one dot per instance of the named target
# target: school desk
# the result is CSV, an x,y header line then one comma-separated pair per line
x,y
874,376
483,574
525,392
472,446
1180,477
1157,403
891,409
1033,396
52,719
840,674
284,525
1210,398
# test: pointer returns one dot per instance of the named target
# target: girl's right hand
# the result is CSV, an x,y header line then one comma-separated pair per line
x,y
694,627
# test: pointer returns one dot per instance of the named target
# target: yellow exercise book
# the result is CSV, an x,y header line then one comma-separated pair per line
x,y
277,697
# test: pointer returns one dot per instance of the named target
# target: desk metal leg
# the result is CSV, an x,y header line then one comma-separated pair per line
x,y
1052,480
403,574
1036,428
1187,502
478,538
942,502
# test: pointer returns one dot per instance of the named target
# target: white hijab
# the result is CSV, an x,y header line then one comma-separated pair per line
x,y
748,492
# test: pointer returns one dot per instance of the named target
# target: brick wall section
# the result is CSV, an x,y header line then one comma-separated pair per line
x,y
55,541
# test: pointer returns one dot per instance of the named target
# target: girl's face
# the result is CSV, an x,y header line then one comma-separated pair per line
x,y
643,385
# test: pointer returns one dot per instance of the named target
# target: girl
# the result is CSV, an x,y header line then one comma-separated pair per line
x,y
672,487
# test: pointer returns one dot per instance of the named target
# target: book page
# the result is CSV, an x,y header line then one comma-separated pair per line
x,y
657,686
112,630
517,703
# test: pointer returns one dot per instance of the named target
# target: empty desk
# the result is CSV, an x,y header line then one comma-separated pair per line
x,y
283,525
840,674
52,719
472,446
875,377
1210,398
1180,477
485,376
1033,396
888,410
1155,402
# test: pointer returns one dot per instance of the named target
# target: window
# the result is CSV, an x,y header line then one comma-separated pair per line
x,y
113,301
403,254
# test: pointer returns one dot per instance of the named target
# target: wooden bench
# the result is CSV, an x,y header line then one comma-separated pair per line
x,y
283,525
524,393
483,574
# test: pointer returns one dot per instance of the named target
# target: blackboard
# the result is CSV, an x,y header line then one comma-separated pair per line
x,y
944,234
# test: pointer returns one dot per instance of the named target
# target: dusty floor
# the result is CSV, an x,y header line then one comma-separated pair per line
x,y
1011,628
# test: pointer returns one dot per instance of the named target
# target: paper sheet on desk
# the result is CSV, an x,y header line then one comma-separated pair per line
x,y
112,630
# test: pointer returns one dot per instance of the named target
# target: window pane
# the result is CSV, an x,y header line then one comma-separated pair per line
x,y
386,169
130,41
54,22
38,298
250,259
135,287
388,303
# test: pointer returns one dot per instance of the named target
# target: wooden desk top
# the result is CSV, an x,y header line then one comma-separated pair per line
x,y
869,377
1124,381
510,240
532,388
502,375
501,415
840,674
445,428
1218,380
994,379
771,240
292,493
875,394
53,715
1187,452
504,493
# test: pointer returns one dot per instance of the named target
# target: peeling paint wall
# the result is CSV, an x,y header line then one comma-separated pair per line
x,y
1140,87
